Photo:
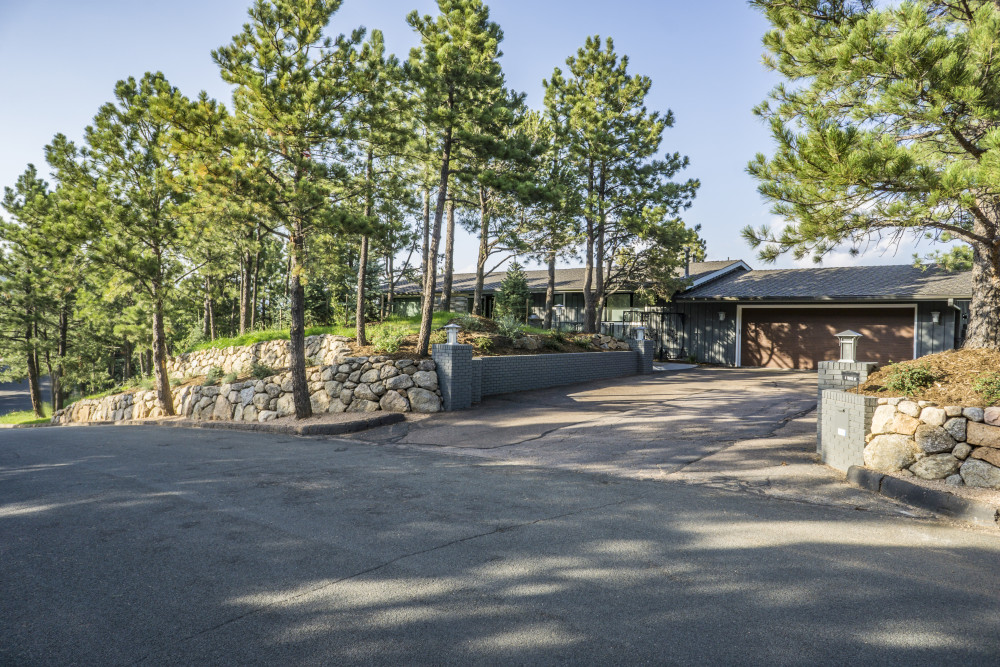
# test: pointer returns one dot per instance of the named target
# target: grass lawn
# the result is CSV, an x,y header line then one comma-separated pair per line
x,y
410,324
27,416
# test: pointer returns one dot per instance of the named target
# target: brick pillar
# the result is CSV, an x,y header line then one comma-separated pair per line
x,y
838,375
645,349
454,371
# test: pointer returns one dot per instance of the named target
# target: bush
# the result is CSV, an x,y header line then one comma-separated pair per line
x,y
988,386
213,376
175,382
908,379
484,344
552,343
230,378
470,323
387,338
509,327
261,371
439,336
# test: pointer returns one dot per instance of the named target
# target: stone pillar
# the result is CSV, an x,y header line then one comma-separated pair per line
x,y
838,375
645,349
454,371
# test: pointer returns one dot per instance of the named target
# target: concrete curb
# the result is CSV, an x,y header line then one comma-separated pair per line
x,y
336,428
932,500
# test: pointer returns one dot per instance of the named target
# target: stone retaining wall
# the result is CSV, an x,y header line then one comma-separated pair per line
x,y
957,444
355,384
324,349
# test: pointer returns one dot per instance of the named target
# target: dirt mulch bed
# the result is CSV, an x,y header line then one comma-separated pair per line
x,y
955,371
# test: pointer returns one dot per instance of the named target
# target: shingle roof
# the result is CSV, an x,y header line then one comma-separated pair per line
x,y
845,283
567,280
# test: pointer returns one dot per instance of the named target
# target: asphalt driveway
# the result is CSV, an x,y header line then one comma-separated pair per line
x,y
144,545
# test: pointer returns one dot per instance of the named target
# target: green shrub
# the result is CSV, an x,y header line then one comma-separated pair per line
x,y
213,376
230,378
513,295
470,323
312,361
988,386
387,338
484,344
261,371
439,336
509,327
175,382
908,379
552,343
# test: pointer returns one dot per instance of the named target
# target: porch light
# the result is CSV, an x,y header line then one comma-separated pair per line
x,y
452,330
848,345
640,333
722,316
935,317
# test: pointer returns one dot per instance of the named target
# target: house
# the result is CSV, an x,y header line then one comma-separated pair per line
x,y
733,315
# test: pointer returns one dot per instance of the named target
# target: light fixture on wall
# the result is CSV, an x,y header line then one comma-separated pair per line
x,y
722,316
935,317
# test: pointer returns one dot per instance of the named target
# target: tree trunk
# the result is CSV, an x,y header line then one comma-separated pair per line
x,y
550,292
589,311
359,319
245,273
427,230
449,258
58,392
256,279
127,360
161,381
484,239
427,307
984,311
599,255
34,387
208,318
297,328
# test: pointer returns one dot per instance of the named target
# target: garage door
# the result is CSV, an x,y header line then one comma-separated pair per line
x,y
802,337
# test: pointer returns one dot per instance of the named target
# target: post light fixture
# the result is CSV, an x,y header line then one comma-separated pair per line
x,y
559,307
722,316
452,330
640,333
935,317
848,345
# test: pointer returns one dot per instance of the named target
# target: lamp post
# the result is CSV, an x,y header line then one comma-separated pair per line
x,y
452,330
559,309
640,333
848,345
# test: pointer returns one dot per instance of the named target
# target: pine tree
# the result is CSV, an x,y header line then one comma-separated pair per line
x,y
513,295
458,80
286,144
888,123
626,195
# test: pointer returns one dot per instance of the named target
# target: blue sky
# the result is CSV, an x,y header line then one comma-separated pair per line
x,y
59,61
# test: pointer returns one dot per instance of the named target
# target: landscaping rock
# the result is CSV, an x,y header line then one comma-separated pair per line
x,y
361,405
905,424
266,416
387,372
982,434
428,365
285,405
992,416
937,466
364,392
320,401
529,343
422,400
980,474
988,454
953,410
954,480
369,376
393,402
973,414
403,363
223,409
272,389
399,382
882,420
933,439
933,416
246,396
956,428
961,451
909,408
426,379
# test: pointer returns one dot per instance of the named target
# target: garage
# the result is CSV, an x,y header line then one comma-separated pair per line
x,y
802,337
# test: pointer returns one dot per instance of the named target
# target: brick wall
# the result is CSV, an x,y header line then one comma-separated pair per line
x,y
845,420
454,370
837,375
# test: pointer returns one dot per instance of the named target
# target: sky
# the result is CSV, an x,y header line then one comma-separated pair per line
x,y
60,59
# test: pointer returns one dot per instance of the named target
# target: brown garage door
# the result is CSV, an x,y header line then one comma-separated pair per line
x,y
802,337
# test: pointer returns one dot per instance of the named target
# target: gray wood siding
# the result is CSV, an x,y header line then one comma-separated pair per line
x,y
933,338
706,338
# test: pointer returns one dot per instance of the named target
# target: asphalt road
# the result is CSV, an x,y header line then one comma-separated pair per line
x,y
140,545
14,395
